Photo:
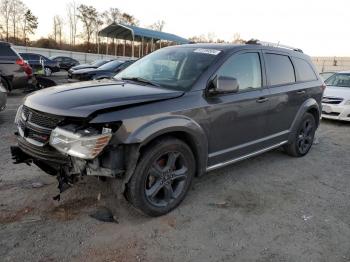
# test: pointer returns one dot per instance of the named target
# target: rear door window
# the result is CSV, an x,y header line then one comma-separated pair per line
x,y
7,51
304,70
280,69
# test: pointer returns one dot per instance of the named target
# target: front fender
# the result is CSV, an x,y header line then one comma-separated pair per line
x,y
173,124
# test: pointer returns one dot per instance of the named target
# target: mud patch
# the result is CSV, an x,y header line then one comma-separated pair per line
x,y
244,201
7,217
71,209
130,250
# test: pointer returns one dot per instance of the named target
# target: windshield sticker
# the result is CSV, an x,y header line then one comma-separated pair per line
x,y
207,51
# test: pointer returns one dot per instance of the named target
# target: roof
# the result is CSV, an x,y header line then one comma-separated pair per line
x,y
4,43
129,32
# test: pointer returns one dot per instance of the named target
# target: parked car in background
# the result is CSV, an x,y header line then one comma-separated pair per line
x,y
37,61
336,98
65,62
94,64
107,70
326,75
15,72
3,94
174,114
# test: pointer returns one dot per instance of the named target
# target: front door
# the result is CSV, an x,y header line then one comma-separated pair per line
x,y
239,120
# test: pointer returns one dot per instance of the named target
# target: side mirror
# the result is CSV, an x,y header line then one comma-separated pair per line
x,y
225,84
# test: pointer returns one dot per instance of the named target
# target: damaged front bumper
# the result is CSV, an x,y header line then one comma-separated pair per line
x,y
68,169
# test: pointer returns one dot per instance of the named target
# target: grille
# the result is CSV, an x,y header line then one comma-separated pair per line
x,y
332,100
37,126
331,113
41,119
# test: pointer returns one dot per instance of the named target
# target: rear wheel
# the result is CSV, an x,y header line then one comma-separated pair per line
x,y
162,177
304,137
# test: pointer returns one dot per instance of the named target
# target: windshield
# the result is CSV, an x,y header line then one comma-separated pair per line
x,y
327,75
341,80
111,65
98,63
175,68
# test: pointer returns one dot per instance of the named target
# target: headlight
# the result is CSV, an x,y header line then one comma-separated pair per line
x,y
18,114
78,145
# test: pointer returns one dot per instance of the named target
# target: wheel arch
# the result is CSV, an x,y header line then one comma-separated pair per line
x,y
180,127
309,106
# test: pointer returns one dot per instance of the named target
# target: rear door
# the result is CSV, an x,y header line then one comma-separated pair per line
x,y
286,95
238,120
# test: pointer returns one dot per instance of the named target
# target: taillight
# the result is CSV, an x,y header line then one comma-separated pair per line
x,y
20,62
25,66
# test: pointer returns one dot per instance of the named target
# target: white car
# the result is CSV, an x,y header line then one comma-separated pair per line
x,y
336,97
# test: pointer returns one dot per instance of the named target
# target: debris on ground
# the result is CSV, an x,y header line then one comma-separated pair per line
x,y
104,214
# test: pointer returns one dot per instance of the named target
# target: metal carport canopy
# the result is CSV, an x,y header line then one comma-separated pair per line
x,y
129,32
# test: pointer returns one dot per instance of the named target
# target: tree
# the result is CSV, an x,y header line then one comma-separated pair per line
x,y
17,12
57,28
112,15
128,19
159,25
88,15
73,20
30,23
5,7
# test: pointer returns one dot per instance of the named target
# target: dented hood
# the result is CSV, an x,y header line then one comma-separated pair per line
x,y
84,98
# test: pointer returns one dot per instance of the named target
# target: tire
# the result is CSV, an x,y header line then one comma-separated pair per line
x,y
47,71
304,137
5,84
162,177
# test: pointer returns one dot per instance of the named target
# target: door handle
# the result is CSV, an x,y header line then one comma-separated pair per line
x,y
301,92
262,100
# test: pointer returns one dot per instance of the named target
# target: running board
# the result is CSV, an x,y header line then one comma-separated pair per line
x,y
210,168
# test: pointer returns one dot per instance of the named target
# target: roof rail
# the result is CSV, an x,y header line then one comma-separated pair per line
x,y
264,43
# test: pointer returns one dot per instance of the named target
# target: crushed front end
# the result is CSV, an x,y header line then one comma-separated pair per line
x,y
67,148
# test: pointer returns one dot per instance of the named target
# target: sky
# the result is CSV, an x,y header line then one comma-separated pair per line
x,y
320,28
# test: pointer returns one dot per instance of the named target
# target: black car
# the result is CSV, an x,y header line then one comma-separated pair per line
x,y
94,64
3,94
107,70
65,62
15,72
176,113
37,61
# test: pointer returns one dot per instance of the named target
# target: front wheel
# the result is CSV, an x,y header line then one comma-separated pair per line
x,y
304,137
47,71
162,177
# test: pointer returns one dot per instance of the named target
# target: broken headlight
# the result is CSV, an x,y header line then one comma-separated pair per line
x,y
79,145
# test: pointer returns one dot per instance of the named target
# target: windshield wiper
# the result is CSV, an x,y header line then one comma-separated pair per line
x,y
141,80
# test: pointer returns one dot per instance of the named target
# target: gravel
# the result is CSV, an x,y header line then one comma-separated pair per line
x,y
269,208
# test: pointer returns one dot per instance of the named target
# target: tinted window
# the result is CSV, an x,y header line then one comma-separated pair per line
x,y
111,65
6,51
280,69
304,70
342,80
245,68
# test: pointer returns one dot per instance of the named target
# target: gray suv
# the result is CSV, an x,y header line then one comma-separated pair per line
x,y
15,72
175,114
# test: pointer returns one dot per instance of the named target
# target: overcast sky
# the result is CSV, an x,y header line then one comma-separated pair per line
x,y
318,27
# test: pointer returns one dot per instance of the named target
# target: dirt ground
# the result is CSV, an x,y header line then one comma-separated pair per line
x,y
269,208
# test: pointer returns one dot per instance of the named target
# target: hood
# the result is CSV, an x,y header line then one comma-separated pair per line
x,y
84,98
78,67
88,71
336,91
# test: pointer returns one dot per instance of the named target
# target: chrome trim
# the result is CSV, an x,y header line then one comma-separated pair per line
x,y
248,144
216,166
